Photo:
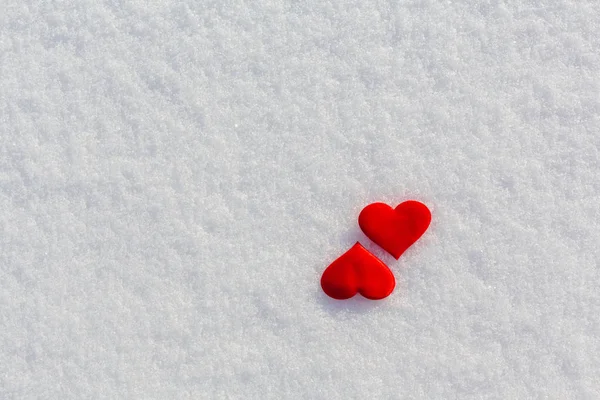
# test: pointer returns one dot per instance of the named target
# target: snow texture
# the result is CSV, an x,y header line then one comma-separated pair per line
x,y
175,175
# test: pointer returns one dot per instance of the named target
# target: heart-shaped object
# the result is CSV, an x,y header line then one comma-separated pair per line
x,y
395,230
358,271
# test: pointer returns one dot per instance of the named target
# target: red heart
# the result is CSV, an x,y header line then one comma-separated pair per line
x,y
395,230
358,271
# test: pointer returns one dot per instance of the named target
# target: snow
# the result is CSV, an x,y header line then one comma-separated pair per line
x,y
176,175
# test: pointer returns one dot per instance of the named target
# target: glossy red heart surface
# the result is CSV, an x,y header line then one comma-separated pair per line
x,y
395,229
358,271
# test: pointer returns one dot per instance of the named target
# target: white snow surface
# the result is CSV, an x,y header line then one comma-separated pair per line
x,y
175,176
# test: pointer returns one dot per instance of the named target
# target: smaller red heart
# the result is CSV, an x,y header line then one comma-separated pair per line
x,y
358,271
395,230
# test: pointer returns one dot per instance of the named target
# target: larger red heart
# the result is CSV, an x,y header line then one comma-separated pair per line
x,y
358,271
395,230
